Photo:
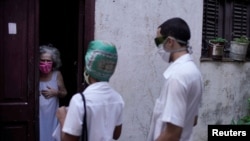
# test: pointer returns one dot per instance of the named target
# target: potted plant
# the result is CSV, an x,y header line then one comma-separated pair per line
x,y
218,40
216,47
238,48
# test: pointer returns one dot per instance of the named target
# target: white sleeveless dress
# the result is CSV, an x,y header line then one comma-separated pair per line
x,y
47,110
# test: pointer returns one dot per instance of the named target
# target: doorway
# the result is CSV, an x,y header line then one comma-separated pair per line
x,y
24,25
58,25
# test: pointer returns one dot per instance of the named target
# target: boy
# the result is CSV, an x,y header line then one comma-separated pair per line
x,y
104,105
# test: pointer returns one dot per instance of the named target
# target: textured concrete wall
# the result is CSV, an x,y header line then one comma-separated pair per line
x,y
225,95
132,25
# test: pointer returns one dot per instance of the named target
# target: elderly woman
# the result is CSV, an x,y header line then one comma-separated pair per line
x,y
51,87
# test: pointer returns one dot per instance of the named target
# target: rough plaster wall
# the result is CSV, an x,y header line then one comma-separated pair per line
x,y
132,25
225,95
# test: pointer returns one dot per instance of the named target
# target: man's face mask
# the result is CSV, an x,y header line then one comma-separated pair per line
x,y
165,54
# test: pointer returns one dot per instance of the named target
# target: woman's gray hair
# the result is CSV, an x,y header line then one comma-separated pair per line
x,y
54,53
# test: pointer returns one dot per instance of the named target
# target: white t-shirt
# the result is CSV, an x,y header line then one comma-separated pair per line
x,y
179,99
104,112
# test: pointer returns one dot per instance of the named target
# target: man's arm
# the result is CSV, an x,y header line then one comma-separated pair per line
x,y
195,120
171,133
117,132
68,137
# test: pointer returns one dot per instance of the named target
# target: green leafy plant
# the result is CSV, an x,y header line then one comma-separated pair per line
x,y
242,39
245,120
218,40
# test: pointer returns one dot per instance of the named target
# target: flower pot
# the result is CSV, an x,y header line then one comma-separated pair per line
x,y
216,50
238,51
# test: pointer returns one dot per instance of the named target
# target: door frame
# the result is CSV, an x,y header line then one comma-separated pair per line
x,y
85,35
86,25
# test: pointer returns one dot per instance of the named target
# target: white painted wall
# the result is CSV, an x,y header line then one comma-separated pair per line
x,y
132,25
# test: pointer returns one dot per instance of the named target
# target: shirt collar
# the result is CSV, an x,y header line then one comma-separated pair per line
x,y
183,59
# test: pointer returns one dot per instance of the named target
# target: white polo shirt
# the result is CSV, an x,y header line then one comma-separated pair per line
x,y
179,98
104,112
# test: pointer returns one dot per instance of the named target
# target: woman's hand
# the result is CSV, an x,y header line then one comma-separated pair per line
x,y
50,92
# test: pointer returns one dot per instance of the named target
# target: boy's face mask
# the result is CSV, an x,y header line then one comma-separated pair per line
x,y
45,67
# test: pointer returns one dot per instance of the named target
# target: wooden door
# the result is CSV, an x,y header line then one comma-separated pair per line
x,y
19,74
18,70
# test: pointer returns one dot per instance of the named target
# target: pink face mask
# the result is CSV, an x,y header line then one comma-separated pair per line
x,y
45,67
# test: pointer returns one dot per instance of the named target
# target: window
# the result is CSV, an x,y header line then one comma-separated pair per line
x,y
227,19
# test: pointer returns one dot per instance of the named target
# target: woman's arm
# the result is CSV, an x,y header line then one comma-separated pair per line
x,y
62,91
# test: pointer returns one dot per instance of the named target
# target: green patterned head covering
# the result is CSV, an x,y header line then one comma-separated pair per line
x,y
100,60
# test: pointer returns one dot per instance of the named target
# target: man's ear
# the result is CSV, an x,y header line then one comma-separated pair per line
x,y
171,42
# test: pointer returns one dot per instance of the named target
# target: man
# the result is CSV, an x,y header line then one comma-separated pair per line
x,y
104,106
176,109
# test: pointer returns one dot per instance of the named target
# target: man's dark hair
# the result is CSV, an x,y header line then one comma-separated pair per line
x,y
177,28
